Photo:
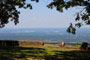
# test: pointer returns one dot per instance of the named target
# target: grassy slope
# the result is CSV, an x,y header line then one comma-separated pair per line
x,y
43,53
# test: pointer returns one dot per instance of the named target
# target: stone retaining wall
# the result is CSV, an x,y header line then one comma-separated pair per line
x,y
20,43
31,43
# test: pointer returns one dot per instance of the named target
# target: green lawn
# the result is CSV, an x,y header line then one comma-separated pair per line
x,y
42,53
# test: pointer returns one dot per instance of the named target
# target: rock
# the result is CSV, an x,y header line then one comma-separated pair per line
x,y
61,44
84,46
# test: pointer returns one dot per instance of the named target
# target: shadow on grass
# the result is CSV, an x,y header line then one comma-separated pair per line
x,y
9,53
69,55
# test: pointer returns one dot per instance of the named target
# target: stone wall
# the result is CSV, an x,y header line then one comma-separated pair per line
x,y
31,43
20,43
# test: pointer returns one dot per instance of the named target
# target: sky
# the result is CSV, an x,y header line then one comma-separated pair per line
x,y
42,17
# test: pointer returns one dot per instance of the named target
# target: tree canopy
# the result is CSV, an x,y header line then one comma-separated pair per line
x,y
82,17
9,11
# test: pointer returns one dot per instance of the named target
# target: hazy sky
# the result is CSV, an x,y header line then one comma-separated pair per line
x,y
42,17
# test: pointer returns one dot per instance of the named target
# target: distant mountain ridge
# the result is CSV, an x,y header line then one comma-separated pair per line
x,y
45,34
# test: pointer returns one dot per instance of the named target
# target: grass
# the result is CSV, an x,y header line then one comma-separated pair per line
x,y
78,45
51,44
42,53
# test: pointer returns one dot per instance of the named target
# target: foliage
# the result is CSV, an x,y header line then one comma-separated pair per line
x,y
83,15
9,10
